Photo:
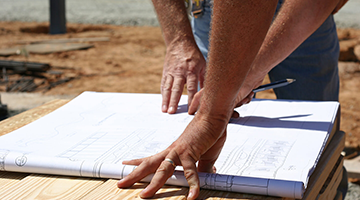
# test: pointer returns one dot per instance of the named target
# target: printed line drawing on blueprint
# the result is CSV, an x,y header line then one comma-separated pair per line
x,y
256,157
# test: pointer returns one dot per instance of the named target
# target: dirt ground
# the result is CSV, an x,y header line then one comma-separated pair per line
x,y
131,61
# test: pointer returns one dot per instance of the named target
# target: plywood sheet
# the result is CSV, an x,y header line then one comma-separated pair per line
x,y
15,122
45,48
353,167
50,187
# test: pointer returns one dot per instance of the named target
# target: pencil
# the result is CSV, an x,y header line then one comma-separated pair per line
x,y
273,85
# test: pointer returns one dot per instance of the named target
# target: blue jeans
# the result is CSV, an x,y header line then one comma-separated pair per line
x,y
314,64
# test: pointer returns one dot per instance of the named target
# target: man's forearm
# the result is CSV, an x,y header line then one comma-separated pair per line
x,y
173,20
238,30
295,22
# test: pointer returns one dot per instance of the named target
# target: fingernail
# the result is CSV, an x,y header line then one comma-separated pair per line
x,y
164,108
143,193
119,183
171,109
191,195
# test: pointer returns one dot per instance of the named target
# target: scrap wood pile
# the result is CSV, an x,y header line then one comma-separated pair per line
x,y
26,76
19,76
349,45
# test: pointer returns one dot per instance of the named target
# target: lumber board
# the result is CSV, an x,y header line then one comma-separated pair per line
x,y
65,40
108,190
331,189
353,167
10,179
20,120
44,48
325,165
37,186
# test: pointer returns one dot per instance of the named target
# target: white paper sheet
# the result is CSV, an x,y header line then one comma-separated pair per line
x,y
271,149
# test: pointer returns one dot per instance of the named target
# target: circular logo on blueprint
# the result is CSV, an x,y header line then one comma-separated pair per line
x,y
20,161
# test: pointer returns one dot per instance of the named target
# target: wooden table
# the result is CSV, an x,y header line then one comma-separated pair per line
x,y
37,186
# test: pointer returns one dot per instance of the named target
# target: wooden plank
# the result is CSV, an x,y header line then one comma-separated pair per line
x,y
45,48
8,51
65,40
24,66
353,167
109,190
50,187
56,47
338,196
20,120
334,182
325,165
10,179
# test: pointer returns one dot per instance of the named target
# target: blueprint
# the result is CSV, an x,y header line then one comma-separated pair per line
x,y
271,149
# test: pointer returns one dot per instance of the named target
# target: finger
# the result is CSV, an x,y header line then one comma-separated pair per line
x,y
192,87
214,169
194,106
165,170
235,114
207,160
133,162
249,97
139,173
148,166
246,100
166,92
176,92
202,78
192,177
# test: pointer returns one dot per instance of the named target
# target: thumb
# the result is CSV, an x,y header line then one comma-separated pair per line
x,y
195,103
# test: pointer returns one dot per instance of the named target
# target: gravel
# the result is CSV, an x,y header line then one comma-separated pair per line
x,y
119,12
123,12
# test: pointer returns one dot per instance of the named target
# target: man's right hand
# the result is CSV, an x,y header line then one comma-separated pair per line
x,y
184,64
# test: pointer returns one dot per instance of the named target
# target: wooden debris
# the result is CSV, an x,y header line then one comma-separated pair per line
x,y
29,77
18,66
65,40
56,47
45,48
353,167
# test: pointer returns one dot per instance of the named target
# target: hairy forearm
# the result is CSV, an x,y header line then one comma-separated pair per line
x,y
238,30
174,21
295,22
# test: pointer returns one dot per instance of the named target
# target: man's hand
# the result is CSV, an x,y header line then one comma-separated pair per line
x,y
245,95
199,142
240,100
184,64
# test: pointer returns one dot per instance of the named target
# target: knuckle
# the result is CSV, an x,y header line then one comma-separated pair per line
x,y
179,69
161,169
191,88
166,86
192,69
176,88
189,174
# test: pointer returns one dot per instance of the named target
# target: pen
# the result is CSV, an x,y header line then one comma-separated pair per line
x,y
273,85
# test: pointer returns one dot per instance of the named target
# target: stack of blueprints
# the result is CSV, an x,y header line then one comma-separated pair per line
x,y
272,149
